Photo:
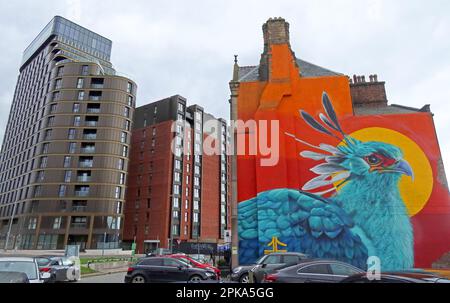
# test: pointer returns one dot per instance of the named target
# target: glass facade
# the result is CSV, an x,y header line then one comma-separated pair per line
x,y
74,35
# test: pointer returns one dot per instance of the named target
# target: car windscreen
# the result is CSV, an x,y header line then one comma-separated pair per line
x,y
28,268
43,261
185,262
67,262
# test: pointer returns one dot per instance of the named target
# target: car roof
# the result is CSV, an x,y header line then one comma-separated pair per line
x,y
17,259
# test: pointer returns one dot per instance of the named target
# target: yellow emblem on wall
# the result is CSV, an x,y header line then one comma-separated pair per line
x,y
274,245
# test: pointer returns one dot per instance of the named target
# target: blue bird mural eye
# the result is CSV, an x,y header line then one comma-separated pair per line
x,y
351,210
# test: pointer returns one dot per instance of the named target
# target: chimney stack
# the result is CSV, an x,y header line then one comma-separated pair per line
x,y
368,94
276,31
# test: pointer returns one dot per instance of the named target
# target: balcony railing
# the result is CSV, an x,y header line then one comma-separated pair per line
x,y
82,193
95,98
79,209
95,86
91,123
90,137
86,164
84,179
78,225
89,150
93,110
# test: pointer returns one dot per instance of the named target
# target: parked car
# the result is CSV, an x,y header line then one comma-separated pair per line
x,y
273,262
13,277
197,264
61,268
26,266
314,271
264,265
397,277
164,270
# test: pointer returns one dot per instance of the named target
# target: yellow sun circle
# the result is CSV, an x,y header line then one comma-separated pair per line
x,y
415,192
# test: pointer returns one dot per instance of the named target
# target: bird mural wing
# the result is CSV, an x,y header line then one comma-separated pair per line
x,y
307,223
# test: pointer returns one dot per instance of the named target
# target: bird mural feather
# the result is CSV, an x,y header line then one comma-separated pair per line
x,y
365,216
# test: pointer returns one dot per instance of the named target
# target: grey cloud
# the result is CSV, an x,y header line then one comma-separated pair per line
x,y
187,47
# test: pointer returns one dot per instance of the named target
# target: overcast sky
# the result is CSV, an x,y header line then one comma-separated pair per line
x,y
187,47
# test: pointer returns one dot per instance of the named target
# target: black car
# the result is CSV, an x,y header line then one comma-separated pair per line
x,y
314,271
166,270
265,265
397,277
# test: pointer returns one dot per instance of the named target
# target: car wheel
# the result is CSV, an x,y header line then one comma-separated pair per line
x,y
195,279
138,279
244,279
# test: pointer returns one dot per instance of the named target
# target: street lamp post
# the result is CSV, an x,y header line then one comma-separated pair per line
x,y
104,244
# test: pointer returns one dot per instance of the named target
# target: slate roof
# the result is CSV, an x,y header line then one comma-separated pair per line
x,y
308,70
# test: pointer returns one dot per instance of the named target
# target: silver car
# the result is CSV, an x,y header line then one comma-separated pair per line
x,y
26,266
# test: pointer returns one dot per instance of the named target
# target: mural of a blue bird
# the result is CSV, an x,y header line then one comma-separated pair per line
x,y
364,217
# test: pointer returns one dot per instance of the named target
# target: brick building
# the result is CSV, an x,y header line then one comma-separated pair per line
x,y
176,195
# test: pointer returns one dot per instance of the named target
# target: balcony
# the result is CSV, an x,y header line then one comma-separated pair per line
x,y
78,225
91,123
79,209
86,164
84,179
88,150
82,193
93,110
90,136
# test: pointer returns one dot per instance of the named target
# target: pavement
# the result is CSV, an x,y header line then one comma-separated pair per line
x,y
113,278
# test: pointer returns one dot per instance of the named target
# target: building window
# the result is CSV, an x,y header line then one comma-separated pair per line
x,y
126,112
181,107
67,161
57,223
32,224
58,83
80,95
43,163
40,176
176,202
62,190
119,208
122,179
195,217
68,176
125,151
196,205
56,96
37,191
129,87
123,137
60,71
48,134
176,189
77,121
121,164
72,148
127,125
177,177
53,108
72,134
118,192
85,70
50,121
80,83
76,107
45,148
176,214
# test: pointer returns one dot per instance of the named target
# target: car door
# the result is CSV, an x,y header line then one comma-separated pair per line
x,y
153,269
267,266
342,271
315,273
175,271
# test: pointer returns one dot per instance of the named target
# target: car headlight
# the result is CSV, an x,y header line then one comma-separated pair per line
x,y
210,274
236,270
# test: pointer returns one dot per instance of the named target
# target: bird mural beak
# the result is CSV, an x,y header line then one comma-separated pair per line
x,y
404,168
